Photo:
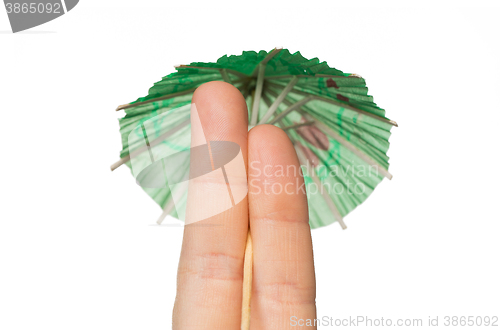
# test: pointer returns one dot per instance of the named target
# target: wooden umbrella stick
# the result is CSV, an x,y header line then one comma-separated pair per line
x,y
247,284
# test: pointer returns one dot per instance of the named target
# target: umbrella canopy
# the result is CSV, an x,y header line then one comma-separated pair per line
x,y
340,135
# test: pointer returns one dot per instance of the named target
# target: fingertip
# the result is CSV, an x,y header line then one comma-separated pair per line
x,y
269,133
270,145
219,94
212,88
222,111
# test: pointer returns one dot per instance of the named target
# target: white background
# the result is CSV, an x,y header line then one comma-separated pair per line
x,y
78,244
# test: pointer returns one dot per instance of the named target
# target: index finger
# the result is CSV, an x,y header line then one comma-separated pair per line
x,y
210,275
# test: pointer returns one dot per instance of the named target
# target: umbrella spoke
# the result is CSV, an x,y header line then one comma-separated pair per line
x,y
318,75
328,200
170,206
258,93
225,76
161,98
151,144
367,159
266,59
327,130
245,89
292,107
236,73
334,102
260,71
268,103
166,97
278,100
308,123
166,211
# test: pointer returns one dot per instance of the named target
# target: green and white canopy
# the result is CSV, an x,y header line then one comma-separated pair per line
x,y
340,135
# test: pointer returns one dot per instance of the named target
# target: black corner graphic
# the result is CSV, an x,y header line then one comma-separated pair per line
x,y
25,15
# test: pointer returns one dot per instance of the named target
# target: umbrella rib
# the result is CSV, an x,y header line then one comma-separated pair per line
x,y
335,136
260,71
347,106
266,59
169,207
266,99
153,143
288,76
291,108
272,109
161,98
367,159
258,93
166,210
275,95
225,76
236,73
308,123
245,90
350,107
331,205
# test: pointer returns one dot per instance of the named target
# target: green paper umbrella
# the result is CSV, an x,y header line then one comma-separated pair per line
x,y
339,133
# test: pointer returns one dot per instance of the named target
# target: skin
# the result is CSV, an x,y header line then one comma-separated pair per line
x,y
210,274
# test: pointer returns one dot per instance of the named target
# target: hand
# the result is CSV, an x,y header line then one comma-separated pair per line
x,y
210,274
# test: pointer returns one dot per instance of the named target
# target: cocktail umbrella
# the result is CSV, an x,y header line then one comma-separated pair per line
x,y
339,133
